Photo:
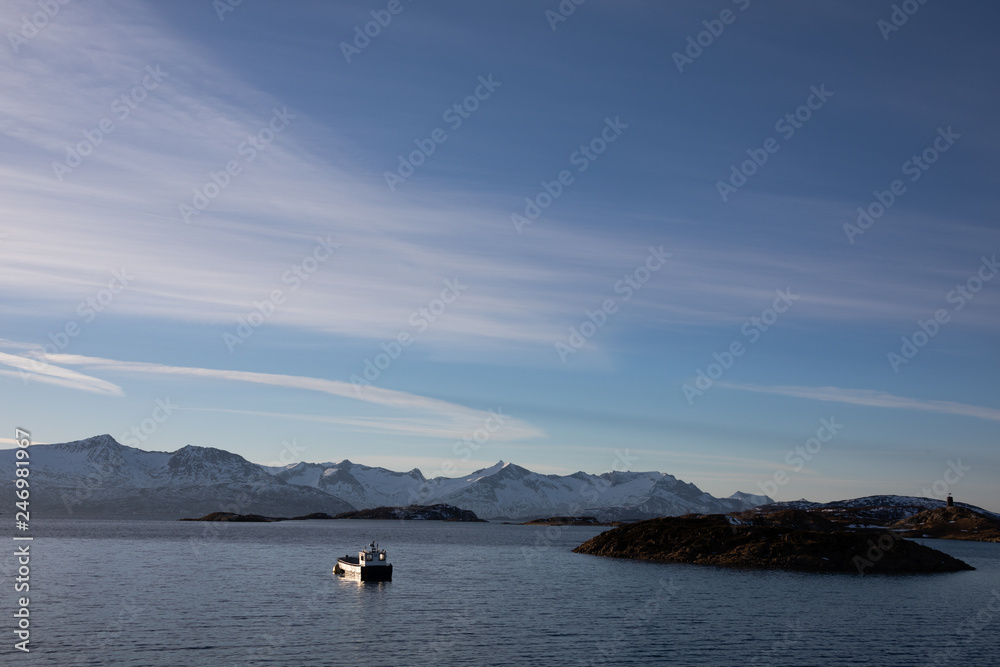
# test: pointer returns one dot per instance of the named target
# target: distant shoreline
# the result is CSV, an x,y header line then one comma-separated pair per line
x,y
409,513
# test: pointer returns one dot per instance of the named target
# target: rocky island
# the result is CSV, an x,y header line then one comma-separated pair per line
x,y
569,521
439,512
411,512
789,540
256,518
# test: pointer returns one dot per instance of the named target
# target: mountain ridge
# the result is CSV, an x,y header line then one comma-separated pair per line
x,y
98,475
507,491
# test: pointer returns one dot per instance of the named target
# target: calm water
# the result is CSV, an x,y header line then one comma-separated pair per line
x,y
170,593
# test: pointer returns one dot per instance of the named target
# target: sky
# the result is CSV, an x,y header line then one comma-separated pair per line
x,y
749,244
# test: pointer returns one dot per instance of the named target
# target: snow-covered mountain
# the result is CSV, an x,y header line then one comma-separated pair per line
x,y
100,476
362,486
508,491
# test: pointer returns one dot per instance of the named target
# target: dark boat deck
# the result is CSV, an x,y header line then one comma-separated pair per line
x,y
349,560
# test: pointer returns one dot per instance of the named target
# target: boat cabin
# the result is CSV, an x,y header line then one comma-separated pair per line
x,y
371,564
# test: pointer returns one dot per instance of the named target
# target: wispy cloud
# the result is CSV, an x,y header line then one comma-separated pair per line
x,y
395,250
870,398
30,369
426,427
443,419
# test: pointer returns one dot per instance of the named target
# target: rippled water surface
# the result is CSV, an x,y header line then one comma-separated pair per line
x,y
173,593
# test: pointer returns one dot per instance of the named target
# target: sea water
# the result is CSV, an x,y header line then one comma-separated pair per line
x,y
134,592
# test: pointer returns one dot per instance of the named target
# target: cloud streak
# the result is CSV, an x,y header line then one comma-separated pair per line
x,y
870,398
41,371
446,420
395,250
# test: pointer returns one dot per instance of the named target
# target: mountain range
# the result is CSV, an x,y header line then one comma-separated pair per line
x,y
99,476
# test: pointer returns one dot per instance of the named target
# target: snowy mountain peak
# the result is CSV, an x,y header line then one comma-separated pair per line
x,y
98,442
208,465
190,454
105,477
752,498
506,490
100,476
101,452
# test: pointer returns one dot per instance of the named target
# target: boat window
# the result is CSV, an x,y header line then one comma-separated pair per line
x,y
368,556
381,556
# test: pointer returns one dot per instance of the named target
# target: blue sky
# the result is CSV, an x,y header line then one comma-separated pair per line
x,y
186,168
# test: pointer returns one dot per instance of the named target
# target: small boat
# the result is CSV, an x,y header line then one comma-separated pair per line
x,y
371,564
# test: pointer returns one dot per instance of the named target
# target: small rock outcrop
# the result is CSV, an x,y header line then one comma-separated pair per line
x,y
241,518
568,521
951,523
414,513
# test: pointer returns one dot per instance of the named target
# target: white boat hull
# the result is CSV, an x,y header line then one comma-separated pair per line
x,y
364,573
